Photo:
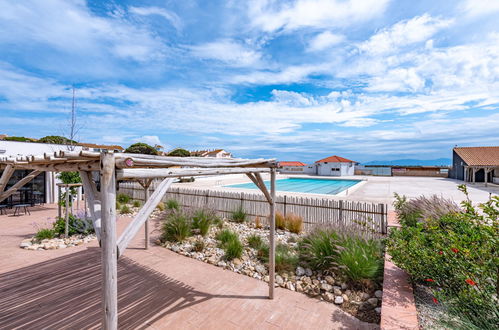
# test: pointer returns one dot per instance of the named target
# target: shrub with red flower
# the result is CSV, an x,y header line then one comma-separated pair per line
x,y
455,250
435,300
470,281
429,280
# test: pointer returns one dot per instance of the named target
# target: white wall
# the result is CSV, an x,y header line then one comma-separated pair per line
x,y
344,169
310,169
15,149
292,169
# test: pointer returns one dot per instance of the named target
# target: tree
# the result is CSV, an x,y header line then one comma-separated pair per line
x,y
141,148
56,139
179,152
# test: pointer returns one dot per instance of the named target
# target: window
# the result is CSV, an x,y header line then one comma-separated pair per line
x,y
335,169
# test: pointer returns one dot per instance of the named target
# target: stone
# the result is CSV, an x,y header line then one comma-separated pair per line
x,y
299,287
300,271
213,260
365,306
378,294
365,296
329,280
26,243
290,286
326,287
314,291
308,272
175,248
266,278
279,280
345,298
378,310
344,286
61,246
348,292
373,301
306,280
338,300
337,290
261,269
316,282
237,262
221,264
328,296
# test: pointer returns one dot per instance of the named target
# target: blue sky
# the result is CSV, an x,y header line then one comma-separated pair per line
x,y
295,80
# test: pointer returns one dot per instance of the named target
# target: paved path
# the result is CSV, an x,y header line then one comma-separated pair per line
x,y
158,289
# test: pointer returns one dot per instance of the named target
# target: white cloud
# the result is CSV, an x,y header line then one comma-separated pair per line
x,y
407,32
476,8
151,140
70,27
272,15
167,14
227,51
325,40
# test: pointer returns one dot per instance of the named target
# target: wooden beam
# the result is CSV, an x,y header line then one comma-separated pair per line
x,y
93,201
66,216
19,185
161,161
263,188
148,173
142,215
6,175
146,224
272,235
109,253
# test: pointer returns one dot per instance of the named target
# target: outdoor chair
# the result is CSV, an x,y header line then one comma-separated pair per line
x,y
19,207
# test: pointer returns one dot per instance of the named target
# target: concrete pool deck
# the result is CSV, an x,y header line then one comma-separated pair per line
x,y
374,189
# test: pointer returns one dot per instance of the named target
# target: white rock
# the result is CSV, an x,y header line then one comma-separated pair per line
x,y
25,244
329,280
290,286
261,269
338,300
337,290
308,272
300,271
279,280
326,287
328,296
378,310
61,246
344,286
373,301
378,294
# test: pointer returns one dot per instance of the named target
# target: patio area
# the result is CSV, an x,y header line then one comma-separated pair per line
x,y
157,288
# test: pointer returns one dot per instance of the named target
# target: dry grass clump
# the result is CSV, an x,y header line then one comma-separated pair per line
x,y
290,222
258,223
294,223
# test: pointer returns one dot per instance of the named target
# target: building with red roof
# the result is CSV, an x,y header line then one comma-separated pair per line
x,y
291,167
332,166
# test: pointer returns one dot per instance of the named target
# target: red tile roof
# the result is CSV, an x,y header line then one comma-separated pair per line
x,y
479,156
281,164
335,159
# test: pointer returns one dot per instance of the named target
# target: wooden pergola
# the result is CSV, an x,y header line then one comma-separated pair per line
x,y
115,167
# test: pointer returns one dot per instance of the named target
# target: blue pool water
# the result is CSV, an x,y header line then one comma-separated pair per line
x,y
305,185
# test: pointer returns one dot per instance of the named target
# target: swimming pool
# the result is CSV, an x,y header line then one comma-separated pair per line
x,y
305,185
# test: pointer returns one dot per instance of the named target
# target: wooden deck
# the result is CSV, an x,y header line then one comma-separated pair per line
x,y
158,289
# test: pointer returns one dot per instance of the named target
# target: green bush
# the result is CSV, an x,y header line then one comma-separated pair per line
x,y
56,139
125,209
202,220
141,148
457,254
239,215
255,241
136,203
285,257
75,226
179,152
360,258
44,233
320,250
225,235
172,204
118,205
123,198
176,228
233,248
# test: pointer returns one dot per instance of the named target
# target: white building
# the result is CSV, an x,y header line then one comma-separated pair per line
x,y
217,153
332,166
43,188
291,167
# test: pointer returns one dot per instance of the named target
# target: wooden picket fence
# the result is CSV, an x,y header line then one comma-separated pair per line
x,y
370,218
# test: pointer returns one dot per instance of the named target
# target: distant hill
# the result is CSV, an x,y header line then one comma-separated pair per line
x,y
413,162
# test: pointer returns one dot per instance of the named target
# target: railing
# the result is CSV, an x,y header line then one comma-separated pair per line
x,y
315,211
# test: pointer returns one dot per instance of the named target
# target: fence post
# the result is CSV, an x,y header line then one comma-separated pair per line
x,y
242,199
207,196
384,219
285,205
340,211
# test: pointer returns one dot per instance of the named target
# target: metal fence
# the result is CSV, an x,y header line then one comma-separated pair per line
x,y
315,211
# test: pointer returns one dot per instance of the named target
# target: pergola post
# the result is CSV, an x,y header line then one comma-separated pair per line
x,y
146,224
272,234
108,240
66,216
